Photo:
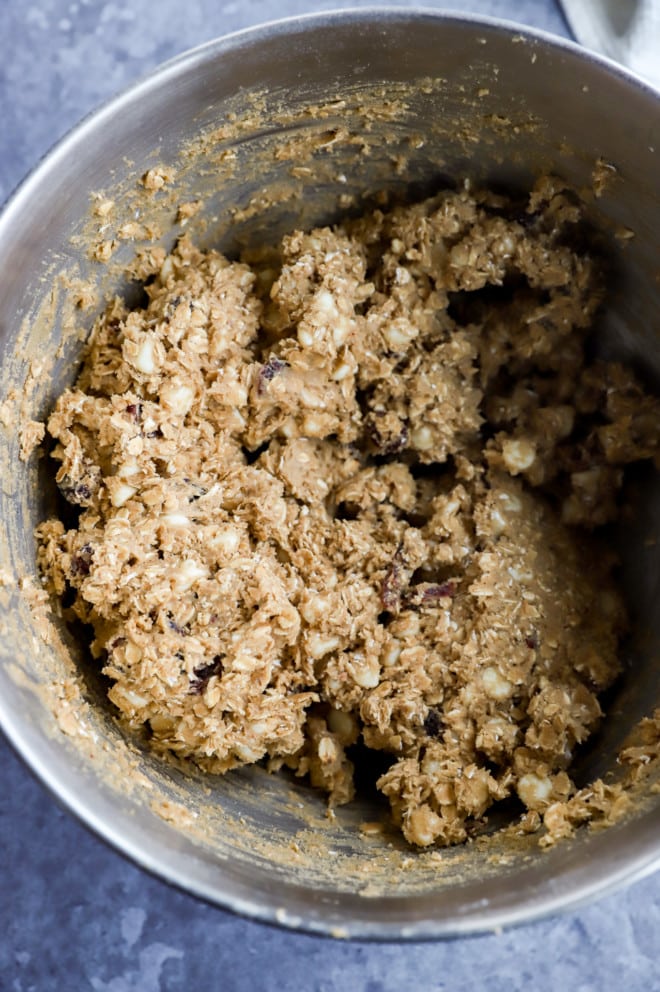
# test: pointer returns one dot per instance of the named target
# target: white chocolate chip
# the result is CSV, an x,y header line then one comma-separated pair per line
x,y
400,333
177,398
246,753
340,331
498,522
327,750
312,398
423,826
176,520
343,724
319,645
313,426
422,439
325,302
510,502
391,655
518,455
495,685
144,360
187,573
367,673
504,246
314,608
520,574
137,701
128,469
227,539
132,653
534,790
261,728
121,493
167,269
342,372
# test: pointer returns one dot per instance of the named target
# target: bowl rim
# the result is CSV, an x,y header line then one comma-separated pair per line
x,y
639,861
214,47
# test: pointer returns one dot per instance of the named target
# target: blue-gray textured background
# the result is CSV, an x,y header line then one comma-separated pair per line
x,y
73,914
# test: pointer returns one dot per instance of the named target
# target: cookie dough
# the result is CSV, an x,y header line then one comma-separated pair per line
x,y
345,492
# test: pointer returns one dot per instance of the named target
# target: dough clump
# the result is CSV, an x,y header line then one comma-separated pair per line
x,y
344,491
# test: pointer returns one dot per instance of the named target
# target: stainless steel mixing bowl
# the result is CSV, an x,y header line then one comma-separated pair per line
x,y
385,98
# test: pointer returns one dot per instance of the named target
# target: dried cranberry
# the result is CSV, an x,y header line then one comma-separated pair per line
x,y
429,593
81,562
273,366
203,674
390,588
445,591
386,442
79,493
177,628
433,724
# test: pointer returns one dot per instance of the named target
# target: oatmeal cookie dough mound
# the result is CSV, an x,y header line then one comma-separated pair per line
x,y
343,492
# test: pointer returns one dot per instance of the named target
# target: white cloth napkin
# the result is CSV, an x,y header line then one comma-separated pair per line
x,y
626,30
